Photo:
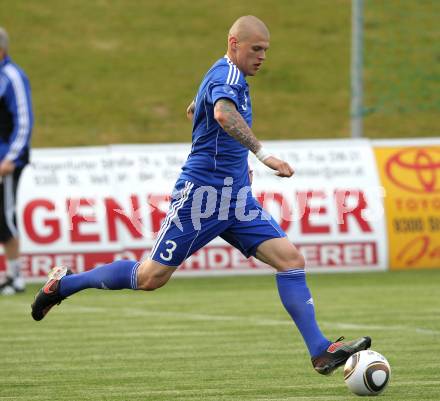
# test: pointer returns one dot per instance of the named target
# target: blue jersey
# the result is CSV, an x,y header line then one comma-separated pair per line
x,y
194,219
16,118
215,154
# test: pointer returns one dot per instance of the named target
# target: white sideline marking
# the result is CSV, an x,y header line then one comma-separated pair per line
x,y
353,326
300,398
217,392
133,312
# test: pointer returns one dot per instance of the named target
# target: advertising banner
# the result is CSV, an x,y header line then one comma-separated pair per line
x,y
410,174
82,207
332,209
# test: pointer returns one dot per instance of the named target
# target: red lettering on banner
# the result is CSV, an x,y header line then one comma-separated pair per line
x,y
417,204
311,254
417,248
331,255
212,258
219,257
344,211
77,220
306,211
340,254
238,259
196,261
265,197
126,255
29,222
156,212
355,255
115,213
40,265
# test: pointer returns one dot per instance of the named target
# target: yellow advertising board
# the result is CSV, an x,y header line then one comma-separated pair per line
x,y
410,176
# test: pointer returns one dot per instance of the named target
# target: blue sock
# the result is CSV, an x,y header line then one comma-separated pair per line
x,y
298,301
114,276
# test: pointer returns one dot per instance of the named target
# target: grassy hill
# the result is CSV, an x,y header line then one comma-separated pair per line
x,y
123,71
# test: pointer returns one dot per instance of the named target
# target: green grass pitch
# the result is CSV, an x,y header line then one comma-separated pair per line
x,y
218,339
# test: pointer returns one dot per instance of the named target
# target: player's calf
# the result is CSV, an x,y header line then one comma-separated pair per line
x,y
152,275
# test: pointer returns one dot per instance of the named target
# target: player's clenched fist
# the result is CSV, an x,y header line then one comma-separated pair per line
x,y
283,169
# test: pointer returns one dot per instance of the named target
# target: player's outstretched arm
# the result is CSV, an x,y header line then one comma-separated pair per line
x,y
235,125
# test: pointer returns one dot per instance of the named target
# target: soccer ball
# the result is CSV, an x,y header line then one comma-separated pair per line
x,y
367,373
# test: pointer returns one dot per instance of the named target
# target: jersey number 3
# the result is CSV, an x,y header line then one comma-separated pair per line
x,y
169,250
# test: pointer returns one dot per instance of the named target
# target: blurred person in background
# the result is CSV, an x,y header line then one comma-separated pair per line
x,y
16,120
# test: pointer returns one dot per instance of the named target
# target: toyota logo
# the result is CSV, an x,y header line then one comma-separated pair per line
x,y
415,170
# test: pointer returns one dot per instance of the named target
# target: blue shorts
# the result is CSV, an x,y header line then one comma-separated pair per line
x,y
198,214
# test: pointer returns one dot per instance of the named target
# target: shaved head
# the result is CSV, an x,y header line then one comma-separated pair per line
x,y
246,26
248,41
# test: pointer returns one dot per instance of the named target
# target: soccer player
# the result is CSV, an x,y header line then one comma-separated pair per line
x,y
212,197
16,121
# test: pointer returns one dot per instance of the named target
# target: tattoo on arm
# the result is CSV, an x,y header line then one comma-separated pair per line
x,y
235,125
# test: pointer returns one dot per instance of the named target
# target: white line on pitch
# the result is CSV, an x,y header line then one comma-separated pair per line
x,y
133,312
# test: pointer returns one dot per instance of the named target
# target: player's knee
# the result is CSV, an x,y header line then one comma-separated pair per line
x,y
292,259
298,261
